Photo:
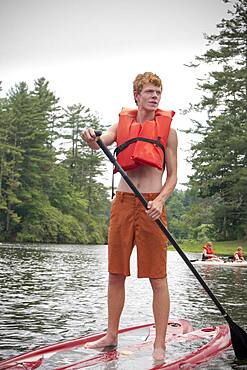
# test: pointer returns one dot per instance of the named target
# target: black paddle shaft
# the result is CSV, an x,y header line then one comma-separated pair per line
x,y
238,335
163,228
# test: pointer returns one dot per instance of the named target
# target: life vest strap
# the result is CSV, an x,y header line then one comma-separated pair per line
x,y
131,141
134,140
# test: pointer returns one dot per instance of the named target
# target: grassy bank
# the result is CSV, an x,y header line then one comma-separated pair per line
x,y
220,248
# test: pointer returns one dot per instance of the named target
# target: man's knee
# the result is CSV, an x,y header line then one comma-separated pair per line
x,y
159,284
116,279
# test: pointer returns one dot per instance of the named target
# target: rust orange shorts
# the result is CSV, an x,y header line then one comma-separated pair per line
x,y
130,226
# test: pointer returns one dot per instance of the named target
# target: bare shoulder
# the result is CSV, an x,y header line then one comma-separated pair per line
x,y
172,139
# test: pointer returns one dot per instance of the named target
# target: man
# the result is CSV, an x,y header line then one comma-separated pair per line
x,y
130,223
208,252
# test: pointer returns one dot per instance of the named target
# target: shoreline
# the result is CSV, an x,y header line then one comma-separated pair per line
x,y
222,248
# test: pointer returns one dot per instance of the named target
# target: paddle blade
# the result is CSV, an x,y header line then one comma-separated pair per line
x,y
239,341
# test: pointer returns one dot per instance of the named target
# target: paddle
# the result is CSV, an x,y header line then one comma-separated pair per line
x,y
238,335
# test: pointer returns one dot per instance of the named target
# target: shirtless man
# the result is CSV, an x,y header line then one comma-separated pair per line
x,y
130,223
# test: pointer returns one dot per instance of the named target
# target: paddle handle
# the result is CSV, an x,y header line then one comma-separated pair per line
x,y
98,133
163,228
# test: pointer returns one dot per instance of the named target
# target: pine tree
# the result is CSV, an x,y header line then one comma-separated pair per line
x,y
15,126
85,165
219,161
47,195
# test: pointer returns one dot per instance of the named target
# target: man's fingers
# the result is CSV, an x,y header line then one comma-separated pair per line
x,y
88,135
154,214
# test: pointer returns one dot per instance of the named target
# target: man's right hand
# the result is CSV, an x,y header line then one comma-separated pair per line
x,y
88,135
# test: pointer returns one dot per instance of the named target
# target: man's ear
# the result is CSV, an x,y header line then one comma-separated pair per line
x,y
135,97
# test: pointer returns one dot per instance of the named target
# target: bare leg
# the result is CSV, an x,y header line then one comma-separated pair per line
x,y
161,307
116,296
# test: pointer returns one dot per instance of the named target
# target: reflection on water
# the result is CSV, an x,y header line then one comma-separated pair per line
x,y
57,292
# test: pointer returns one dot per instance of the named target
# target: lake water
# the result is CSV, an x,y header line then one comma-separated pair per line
x,y
50,293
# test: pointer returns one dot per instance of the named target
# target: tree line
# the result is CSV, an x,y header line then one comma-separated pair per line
x,y
218,185
50,188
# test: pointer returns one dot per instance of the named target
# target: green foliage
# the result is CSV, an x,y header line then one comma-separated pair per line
x,y
48,224
190,217
219,159
48,193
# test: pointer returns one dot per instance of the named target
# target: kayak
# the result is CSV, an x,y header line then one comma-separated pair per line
x,y
184,347
220,263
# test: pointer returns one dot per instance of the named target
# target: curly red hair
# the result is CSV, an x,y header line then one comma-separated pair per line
x,y
146,78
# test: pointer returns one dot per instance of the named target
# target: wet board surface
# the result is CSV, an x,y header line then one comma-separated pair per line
x,y
185,348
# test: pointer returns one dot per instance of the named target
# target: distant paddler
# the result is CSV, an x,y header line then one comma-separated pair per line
x,y
208,253
238,255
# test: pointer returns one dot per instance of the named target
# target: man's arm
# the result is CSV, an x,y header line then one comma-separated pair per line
x,y
108,138
156,206
171,166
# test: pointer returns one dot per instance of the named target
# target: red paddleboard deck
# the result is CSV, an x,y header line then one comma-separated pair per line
x,y
184,347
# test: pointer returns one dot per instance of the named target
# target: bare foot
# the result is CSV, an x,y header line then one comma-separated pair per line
x,y
106,341
159,354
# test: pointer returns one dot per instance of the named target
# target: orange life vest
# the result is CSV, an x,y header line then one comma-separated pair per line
x,y
142,143
209,250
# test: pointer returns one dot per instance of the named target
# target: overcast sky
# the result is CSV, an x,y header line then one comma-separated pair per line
x,y
91,51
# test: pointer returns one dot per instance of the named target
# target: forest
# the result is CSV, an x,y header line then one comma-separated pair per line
x,y
50,181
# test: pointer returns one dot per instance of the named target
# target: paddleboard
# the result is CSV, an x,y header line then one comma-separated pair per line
x,y
220,263
184,347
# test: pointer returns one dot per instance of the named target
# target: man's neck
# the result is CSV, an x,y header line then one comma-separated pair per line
x,y
144,115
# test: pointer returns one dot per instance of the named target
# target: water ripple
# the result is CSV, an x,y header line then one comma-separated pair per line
x,y
51,293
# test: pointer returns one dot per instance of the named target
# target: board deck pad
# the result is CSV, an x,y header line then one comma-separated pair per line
x,y
184,347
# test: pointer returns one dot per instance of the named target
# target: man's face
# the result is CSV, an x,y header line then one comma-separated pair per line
x,y
149,97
